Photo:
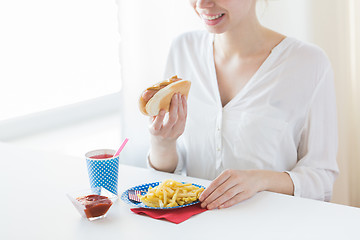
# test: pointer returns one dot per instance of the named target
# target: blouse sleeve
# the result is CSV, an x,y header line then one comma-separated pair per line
x,y
316,170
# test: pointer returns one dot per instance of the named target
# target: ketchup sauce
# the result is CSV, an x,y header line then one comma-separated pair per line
x,y
95,205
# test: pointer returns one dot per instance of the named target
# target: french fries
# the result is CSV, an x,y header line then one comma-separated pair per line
x,y
170,193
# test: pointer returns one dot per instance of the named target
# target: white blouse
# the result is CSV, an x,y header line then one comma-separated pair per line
x,y
284,119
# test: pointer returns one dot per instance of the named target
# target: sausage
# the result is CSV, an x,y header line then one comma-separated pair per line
x,y
151,91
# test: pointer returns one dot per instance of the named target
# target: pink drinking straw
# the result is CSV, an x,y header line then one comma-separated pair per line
x,y
121,147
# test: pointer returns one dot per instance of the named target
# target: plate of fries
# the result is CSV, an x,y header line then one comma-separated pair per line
x,y
168,194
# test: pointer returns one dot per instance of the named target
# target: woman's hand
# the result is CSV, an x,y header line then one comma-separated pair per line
x,y
175,125
164,133
234,186
231,187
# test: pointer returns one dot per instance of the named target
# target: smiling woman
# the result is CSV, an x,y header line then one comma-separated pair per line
x,y
56,53
238,126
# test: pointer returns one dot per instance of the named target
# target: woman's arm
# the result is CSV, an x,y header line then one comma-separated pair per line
x,y
279,182
163,152
163,155
316,170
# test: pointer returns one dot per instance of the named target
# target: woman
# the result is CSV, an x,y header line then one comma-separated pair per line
x,y
260,114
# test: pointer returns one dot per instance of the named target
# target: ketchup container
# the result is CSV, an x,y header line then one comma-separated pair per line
x,y
93,203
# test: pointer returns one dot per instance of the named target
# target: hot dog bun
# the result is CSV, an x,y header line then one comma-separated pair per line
x,y
162,98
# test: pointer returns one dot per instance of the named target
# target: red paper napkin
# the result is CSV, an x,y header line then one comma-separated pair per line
x,y
176,215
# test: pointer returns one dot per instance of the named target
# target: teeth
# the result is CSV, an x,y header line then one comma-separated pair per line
x,y
212,17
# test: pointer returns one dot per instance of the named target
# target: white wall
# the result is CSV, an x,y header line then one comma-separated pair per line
x,y
289,17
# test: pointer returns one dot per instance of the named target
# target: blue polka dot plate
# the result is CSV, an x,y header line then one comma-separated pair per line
x,y
143,188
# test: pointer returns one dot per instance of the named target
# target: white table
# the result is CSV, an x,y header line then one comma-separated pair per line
x,y
34,206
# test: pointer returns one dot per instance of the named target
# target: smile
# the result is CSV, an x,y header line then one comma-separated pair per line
x,y
212,17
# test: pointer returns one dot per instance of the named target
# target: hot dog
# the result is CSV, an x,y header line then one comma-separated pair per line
x,y
158,96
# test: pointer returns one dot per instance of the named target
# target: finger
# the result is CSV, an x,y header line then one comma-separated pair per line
x,y
173,112
157,123
215,184
184,103
179,126
242,196
181,107
219,192
151,119
226,196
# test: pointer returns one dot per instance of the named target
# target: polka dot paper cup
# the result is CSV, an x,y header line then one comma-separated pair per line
x,y
103,169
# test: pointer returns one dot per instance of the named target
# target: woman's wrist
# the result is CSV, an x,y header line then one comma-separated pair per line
x,y
279,182
163,155
162,144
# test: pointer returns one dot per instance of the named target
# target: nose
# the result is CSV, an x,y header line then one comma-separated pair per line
x,y
201,4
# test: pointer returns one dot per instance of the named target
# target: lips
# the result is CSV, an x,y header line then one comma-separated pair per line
x,y
212,19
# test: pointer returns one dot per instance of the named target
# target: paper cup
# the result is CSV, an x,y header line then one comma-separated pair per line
x,y
103,172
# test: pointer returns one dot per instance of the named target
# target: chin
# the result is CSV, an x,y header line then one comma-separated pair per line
x,y
215,30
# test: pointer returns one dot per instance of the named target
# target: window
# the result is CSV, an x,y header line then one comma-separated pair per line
x,y
55,53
